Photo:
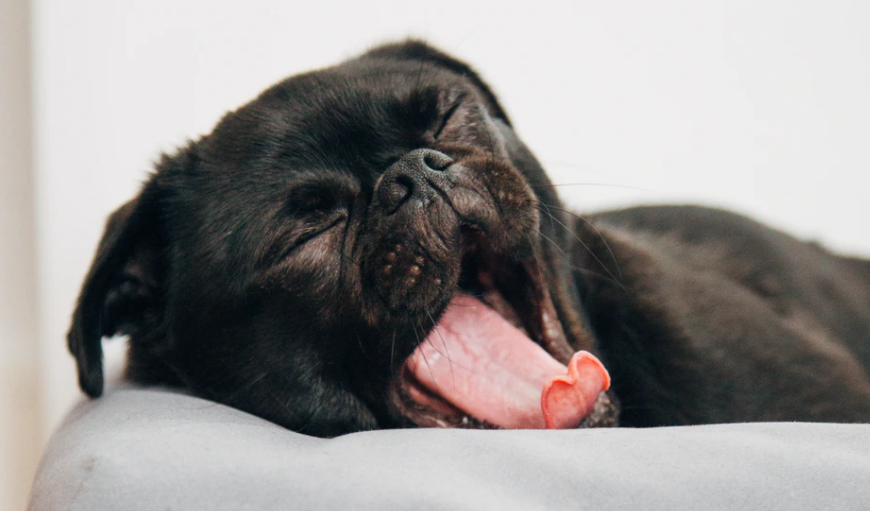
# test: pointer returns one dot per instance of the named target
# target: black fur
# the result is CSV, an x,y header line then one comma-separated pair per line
x,y
252,268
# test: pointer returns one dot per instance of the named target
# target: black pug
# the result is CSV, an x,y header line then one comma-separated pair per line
x,y
371,246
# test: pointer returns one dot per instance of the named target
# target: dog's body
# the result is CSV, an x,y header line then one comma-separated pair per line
x,y
726,320
294,263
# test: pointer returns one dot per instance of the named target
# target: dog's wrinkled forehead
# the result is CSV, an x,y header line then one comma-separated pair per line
x,y
355,118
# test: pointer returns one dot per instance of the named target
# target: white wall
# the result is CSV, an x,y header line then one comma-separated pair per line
x,y
19,396
758,106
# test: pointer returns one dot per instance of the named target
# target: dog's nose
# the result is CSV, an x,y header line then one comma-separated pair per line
x,y
415,175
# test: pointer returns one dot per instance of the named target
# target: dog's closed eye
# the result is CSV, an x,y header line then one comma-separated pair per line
x,y
445,119
309,212
311,201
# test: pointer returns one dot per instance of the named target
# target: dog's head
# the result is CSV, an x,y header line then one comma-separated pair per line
x,y
294,262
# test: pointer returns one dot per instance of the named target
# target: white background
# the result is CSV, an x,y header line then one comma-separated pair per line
x,y
758,106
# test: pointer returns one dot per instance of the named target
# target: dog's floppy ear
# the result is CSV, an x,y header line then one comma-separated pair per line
x,y
122,287
418,51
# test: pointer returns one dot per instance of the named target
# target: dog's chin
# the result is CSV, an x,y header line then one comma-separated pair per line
x,y
497,297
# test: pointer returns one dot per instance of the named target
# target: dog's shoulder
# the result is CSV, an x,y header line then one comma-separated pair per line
x,y
788,273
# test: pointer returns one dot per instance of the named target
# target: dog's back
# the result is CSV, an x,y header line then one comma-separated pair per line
x,y
707,316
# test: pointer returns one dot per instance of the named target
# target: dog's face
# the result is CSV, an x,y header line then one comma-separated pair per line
x,y
293,262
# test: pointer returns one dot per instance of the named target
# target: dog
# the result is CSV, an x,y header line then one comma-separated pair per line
x,y
370,245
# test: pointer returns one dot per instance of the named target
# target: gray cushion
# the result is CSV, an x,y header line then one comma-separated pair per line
x,y
155,449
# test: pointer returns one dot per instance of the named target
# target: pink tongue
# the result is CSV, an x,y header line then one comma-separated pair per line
x,y
489,369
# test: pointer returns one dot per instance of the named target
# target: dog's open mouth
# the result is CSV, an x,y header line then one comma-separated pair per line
x,y
498,357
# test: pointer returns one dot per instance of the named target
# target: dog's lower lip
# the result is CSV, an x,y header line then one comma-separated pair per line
x,y
425,409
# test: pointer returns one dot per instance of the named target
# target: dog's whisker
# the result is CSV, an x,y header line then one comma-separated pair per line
x,y
362,348
556,245
588,249
600,236
350,260
227,397
446,350
552,220
592,273
393,354
577,268
606,185
592,226
426,360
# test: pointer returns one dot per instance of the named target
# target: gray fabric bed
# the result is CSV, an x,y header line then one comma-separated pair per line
x,y
147,449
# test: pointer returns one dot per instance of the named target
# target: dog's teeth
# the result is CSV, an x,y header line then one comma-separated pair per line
x,y
414,270
466,420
